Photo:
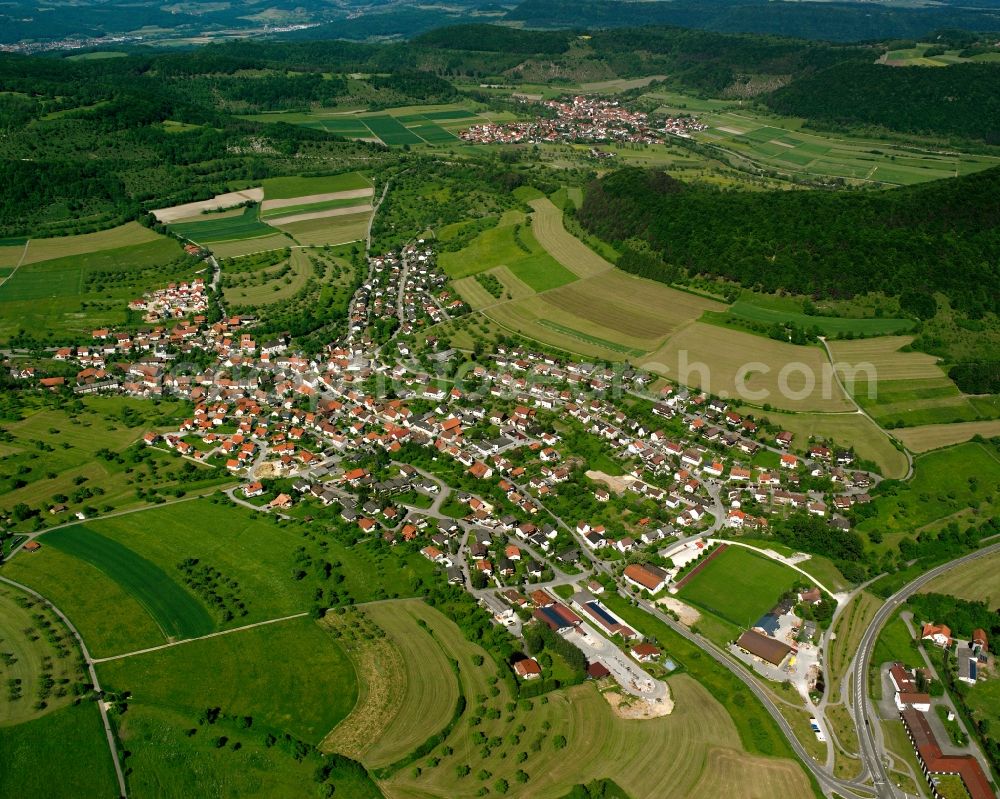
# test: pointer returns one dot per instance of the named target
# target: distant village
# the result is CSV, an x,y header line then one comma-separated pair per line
x,y
582,119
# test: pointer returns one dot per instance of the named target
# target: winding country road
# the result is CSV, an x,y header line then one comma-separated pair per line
x,y
108,732
864,715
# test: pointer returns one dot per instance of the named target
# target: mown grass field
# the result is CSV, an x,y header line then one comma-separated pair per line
x,y
63,755
935,436
407,688
286,678
894,645
547,225
978,581
297,186
415,125
781,144
51,458
229,228
827,325
947,484
727,354
70,295
26,649
513,245
870,442
331,230
638,308
176,611
127,235
322,205
901,387
234,249
84,593
739,586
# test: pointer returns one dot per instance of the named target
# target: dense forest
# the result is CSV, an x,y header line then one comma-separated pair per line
x,y
962,100
835,21
937,237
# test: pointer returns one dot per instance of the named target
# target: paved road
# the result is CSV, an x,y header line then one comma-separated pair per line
x,y
864,713
108,733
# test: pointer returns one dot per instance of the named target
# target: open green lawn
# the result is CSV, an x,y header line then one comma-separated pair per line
x,y
511,244
946,482
391,131
69,296
289,678
36,647
739,586
63,755
895,645
782,144
324,205
827,325
285,188
245,226
84,593
177,612
51,459
984,700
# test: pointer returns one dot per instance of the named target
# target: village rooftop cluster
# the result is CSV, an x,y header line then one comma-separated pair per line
x,y
582,119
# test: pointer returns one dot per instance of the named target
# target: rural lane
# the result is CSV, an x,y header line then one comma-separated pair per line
x,y
108,732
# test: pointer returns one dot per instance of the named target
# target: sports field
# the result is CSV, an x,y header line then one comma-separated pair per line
x,y
739,586
784,375
900,387
245,226
62,755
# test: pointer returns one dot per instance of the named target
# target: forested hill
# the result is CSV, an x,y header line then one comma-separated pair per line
x,y
833,21
942,236
962,99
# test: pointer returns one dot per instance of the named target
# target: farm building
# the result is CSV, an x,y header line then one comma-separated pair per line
x,y
650,578
760,646
932,761
557,617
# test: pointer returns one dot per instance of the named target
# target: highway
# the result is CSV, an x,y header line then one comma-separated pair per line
x,y
865,718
